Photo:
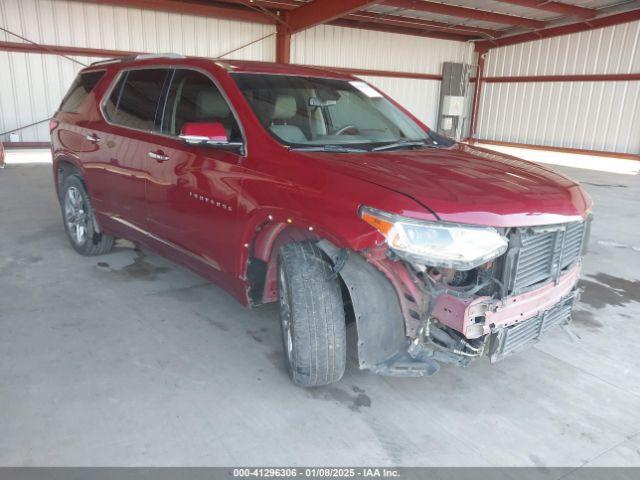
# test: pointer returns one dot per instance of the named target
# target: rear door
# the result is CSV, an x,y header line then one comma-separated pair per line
x,y
192,192
121,169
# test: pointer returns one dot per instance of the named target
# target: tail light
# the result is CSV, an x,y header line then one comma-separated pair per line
x,y
53,124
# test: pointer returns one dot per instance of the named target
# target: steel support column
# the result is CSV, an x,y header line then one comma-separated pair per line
x,y
475,112
283,40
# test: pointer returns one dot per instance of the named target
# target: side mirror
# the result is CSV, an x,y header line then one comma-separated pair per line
x,y
211,134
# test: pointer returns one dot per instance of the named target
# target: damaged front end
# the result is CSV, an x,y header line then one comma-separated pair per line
x,y
415,308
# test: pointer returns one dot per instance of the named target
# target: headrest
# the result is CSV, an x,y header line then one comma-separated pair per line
x,y
211,104
284,108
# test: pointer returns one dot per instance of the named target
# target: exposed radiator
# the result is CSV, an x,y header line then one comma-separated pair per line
x,y
511,339
539,254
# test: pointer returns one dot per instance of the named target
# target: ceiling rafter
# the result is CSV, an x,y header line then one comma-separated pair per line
x,y
555,7
582,26
378,27
219,10
465,12
317,12
366,18
419,23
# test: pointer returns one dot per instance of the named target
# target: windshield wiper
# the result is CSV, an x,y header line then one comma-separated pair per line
x,y
402,144
329,148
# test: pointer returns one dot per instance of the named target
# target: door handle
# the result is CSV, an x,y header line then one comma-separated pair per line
x,y
93,138
158,155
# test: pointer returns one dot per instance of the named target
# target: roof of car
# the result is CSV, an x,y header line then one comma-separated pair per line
x,y
247,66
240,66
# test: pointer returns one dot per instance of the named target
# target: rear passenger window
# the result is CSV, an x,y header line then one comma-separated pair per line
x,y
134,100
80,89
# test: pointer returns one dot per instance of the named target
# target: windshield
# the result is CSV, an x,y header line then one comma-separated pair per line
x,y
306,112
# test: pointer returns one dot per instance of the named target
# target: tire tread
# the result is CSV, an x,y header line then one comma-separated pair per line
x,y
317,310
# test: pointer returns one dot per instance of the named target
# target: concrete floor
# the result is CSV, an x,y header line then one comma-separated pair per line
x,y
128,359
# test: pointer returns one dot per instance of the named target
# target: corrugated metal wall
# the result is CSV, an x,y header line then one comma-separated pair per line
x,y
32,85
585,115
352,48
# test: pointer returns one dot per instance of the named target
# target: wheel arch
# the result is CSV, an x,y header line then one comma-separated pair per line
x,y
260,252
64,164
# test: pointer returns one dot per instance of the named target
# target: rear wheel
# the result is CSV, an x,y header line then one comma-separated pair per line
x,y
311,316
79,222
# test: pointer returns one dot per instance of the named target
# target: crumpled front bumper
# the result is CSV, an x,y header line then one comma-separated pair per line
x,y
484,315
505,341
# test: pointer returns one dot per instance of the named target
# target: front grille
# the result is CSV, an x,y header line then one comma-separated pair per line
x,y
512,339
539,254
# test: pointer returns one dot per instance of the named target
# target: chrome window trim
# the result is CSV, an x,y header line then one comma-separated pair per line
x,y
172,68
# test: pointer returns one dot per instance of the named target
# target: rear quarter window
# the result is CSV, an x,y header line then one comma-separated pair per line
x,y
80,89
134,100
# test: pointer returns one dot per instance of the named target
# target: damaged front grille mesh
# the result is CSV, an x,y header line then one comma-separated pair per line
x,y
511,339
538,254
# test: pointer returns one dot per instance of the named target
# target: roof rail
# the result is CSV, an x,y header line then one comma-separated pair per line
x,y
113,60
140,56
145,56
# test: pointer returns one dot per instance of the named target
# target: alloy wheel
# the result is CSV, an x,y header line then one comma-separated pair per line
x,y
75,215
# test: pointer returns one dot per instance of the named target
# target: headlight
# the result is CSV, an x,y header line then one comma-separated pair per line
x,y
438,244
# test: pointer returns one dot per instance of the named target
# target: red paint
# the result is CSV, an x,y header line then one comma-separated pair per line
x,y
386,73
283,42
459,313
27,144
212,130
389,28
62,50
364,20
596,77
463,12
418,23
317,12
475,112
584,26
207,208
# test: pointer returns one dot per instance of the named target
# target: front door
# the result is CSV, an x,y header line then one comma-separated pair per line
x,y
192,191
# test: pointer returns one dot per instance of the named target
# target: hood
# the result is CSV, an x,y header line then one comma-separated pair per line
x,y
465,184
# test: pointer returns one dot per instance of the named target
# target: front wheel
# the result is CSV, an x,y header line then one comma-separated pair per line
x,y
78,219
311,316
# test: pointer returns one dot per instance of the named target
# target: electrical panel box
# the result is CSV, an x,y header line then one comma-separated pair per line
x,y
453,105
452,117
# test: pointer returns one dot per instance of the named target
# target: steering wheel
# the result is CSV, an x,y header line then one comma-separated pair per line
x,y
342,130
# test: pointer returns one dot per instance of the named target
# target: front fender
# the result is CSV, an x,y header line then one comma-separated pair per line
x,y
379,320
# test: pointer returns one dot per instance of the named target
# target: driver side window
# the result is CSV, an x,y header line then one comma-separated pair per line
x,y
193,97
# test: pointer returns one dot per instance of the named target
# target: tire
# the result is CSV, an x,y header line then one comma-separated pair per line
x,y
78,219
311,316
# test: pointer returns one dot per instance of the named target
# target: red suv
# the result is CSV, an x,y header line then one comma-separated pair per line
x,y
313,189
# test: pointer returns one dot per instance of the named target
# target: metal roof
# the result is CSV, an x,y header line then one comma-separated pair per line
x,y
503,16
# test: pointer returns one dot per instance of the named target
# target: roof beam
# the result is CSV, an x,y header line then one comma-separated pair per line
x,y
555,7
419,23
381,18
228,11
377,27
317,12
583,26
464,12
